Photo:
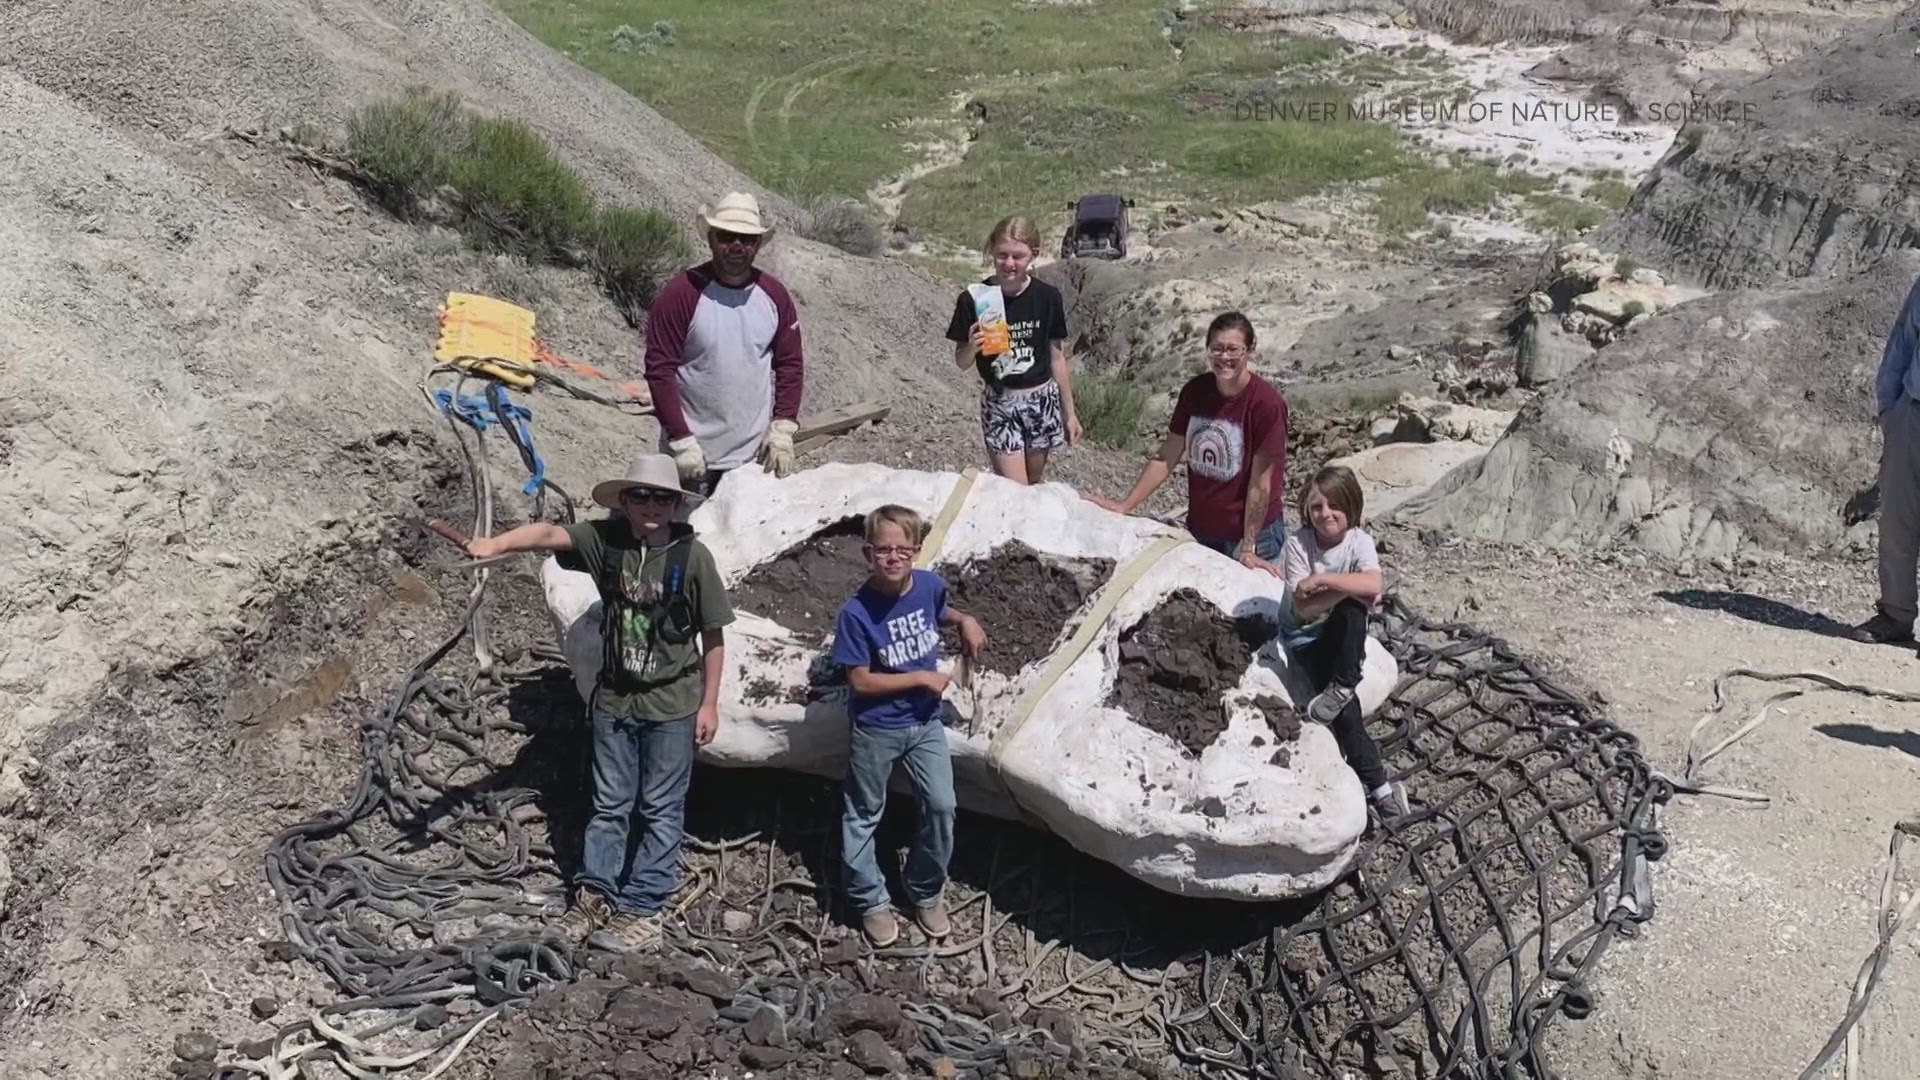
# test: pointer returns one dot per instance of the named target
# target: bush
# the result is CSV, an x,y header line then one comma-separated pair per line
x,y
506,191
845,224
626,39
516,196
631,250
1109,408
406,147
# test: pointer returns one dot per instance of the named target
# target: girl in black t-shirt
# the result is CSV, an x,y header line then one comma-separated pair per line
x,y
1026,408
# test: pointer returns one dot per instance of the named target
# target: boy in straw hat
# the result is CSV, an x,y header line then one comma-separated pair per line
x,y
723,355
663,607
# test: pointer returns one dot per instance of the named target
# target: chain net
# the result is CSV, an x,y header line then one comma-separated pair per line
x,y
1461,933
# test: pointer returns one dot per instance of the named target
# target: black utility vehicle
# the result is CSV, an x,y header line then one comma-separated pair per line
x,y
1099,228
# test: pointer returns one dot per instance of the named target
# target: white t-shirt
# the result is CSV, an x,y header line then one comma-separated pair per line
x,y
1303,556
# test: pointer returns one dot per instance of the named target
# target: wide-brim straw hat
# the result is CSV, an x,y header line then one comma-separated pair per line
x,y
647,470
736,212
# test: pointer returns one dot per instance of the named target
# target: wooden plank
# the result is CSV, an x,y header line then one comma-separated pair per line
x,y
843,419
821,430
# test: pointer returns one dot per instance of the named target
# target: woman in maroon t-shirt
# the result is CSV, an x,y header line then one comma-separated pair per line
x,y
1231,427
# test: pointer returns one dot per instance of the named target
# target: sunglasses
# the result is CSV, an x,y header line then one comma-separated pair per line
x,y
649,495
723,237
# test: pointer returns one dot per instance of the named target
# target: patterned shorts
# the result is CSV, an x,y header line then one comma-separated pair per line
x,y
1016,421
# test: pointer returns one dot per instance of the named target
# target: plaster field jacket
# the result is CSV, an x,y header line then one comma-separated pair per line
x,y
723,362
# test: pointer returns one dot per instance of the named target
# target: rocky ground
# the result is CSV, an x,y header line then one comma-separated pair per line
x,y
218,421
1765,912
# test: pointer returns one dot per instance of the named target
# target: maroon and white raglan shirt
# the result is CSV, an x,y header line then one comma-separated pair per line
x,y
722,362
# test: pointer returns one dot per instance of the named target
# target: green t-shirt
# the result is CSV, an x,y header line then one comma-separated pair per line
x,y
668,675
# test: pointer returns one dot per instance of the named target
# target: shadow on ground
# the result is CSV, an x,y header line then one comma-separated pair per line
x,y
1868,735
1756,609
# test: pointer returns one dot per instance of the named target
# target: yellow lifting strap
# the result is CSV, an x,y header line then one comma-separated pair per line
x,y
1090,626
937,534
476,329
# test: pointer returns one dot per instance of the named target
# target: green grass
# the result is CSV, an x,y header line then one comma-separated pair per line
x,y
1109,408
1610,192
810,99
1407,198
1559,216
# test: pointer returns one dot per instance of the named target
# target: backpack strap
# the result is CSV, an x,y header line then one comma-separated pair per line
x,y
612,601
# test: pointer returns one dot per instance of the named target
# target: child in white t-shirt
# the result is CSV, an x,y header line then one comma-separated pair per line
x,y
1333,579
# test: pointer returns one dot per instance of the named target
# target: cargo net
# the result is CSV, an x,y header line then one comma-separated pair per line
x,y
1459,936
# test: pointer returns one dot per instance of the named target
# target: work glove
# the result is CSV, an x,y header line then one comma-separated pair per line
x,y
776,454
691,461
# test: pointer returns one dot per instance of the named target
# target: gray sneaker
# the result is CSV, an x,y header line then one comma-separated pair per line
x,y
628,931
1326,704
588,912
1393,802
881,927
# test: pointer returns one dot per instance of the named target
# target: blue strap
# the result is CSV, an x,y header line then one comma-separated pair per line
x,y
481,413
518,420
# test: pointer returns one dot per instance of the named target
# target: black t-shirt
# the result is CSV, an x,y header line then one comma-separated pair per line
x,y
1035,319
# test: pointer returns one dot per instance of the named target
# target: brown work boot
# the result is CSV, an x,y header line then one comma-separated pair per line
x,y
881,928
933,919
628,931
588,912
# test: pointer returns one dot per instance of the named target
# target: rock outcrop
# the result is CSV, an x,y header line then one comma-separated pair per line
x,y
1738,420
1805,172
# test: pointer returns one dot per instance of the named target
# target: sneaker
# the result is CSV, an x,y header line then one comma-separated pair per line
x,y
933,919
1392,802
1883,629
627,931
588,912
880,926
1326,704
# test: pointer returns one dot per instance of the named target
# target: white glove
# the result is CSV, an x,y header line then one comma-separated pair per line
x,y
777,452
690,460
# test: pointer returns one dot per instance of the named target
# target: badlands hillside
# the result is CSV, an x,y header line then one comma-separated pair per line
x,y
213,428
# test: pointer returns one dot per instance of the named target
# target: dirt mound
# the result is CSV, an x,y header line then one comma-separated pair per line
x,y
1178,663
804,587
1738,420
1023,601
1828,138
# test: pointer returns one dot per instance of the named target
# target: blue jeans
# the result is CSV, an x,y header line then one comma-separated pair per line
x,y
643,767
871,754
1267,544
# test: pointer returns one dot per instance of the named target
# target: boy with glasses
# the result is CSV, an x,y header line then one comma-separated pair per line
x,y
888,641
663,608
723,360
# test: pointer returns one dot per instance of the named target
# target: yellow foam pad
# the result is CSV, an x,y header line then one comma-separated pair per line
x,y
475,329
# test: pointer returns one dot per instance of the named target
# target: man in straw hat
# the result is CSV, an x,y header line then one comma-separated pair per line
x,y
657,697
723,354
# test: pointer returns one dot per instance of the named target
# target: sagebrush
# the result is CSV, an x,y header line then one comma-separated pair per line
x,y
845,224
1109,408
425,155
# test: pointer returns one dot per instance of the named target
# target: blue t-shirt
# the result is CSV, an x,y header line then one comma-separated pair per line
x,y
888,635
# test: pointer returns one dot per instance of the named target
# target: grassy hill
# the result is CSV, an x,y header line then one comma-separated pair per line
x,y
831,98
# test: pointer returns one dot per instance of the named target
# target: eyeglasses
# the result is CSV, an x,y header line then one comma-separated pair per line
x,y
656,496
891,551
723,237
1226,350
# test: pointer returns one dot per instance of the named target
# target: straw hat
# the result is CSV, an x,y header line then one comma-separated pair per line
x,y
736,212
647,470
